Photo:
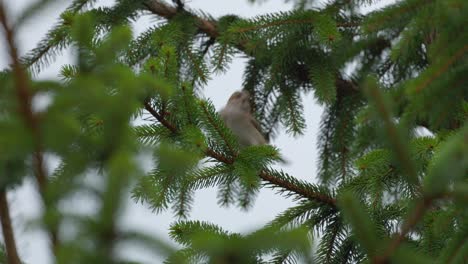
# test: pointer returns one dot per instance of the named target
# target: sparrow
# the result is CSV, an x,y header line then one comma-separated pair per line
x,y
237,115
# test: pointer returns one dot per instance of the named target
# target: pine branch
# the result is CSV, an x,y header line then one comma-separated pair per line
x,y
7,228
24,97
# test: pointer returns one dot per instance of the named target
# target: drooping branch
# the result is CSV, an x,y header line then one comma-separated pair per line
x,y
7,228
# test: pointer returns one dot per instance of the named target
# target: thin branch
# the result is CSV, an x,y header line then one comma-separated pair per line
x,y
287,22
7,228
219,157
34,59
220,133
297,189
197,65
24,97
328,256
161,120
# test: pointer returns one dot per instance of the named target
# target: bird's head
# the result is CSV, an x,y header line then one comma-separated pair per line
x,y
240,99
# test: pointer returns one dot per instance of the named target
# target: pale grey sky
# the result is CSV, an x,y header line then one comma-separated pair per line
x,y
300,152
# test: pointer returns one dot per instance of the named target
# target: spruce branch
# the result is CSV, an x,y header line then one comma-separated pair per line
x,y
219,157
443,68
24,97
7,228
381,18
286,22
291,185
159,117
331,237
209,152
218,130
164,10
55,40
394,135
421,207
198,65
344,87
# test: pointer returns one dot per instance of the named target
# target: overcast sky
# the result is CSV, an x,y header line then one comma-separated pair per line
x,y
300,151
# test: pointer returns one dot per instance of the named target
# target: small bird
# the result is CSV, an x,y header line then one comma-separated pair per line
x,y
237,115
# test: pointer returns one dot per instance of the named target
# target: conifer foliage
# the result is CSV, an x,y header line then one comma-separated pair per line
x,y
392,183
